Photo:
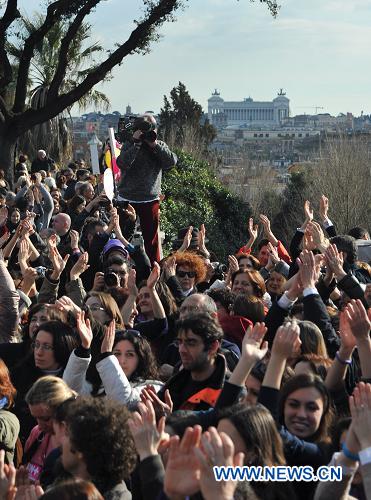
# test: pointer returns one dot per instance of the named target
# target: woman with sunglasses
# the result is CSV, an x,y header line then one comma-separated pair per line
x,y
182,272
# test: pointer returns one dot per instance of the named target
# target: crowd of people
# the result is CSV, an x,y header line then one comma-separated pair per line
x,y
126,376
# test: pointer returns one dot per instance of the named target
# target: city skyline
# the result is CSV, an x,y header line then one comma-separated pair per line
x,y
317,52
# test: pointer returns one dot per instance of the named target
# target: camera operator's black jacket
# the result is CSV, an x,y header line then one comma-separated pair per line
x,y
141,170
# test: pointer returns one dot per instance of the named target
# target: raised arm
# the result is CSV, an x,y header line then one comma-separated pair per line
x,y
9,300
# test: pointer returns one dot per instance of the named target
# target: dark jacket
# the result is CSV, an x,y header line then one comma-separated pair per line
x,y
207,393
141,170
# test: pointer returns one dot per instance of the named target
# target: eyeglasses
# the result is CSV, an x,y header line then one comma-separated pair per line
x,y
95,307
189,309
44,347
183,274
186,342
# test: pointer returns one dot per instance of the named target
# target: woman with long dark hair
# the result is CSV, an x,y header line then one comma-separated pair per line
x,y
52,344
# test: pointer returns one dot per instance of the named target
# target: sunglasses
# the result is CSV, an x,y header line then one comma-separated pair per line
x,y
183,274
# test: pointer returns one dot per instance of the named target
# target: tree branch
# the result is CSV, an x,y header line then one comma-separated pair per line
x,y
54,12
137,39
3,109
65,45
11,13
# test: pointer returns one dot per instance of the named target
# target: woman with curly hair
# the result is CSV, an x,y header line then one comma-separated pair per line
x,y
126,363
182,272
127,366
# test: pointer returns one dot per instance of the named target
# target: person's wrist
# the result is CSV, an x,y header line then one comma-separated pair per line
x,y
143,454
345,353
86,344
363,340
339,274
55,275
344,357
279,356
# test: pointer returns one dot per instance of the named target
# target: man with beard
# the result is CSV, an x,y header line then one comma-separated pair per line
x,y
198,384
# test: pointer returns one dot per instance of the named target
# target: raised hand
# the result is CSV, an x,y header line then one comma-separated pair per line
x,y
217,449
273,257
8,489
132,287
74,236
130,212
65,304
348,340
253,229
317,234
23,253
253,346
182,469
360,408
233,264
266,224
154,276
287,341
169,267
308,211
358,320
98,284
162,408
146,434
80,266
323,208
58,262
3,215
309,272
109,337
186,240
84,330
335,261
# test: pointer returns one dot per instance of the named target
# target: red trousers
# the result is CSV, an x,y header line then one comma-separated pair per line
x,y
149,215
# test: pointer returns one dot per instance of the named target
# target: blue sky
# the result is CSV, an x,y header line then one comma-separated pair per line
x,y
318,51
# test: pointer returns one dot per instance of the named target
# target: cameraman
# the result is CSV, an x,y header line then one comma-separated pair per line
x,y
141,162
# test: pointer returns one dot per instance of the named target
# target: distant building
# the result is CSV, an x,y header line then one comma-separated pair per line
x,y
248,112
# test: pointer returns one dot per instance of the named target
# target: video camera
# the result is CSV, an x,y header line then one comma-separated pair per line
x,y
127,125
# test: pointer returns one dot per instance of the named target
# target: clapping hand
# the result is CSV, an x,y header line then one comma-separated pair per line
x,y
253,229
182,473
358,319
186,240
162,408
308,211
253,346
109,337
217,449
323,208
80,266
360,408
147,435
287,341
154,276
84,330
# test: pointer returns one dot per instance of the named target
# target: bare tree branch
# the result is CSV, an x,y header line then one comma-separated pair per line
x,y
11,13
65,45
54,12
143,32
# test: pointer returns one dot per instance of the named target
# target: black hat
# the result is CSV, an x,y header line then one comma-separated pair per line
x,y
194,241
